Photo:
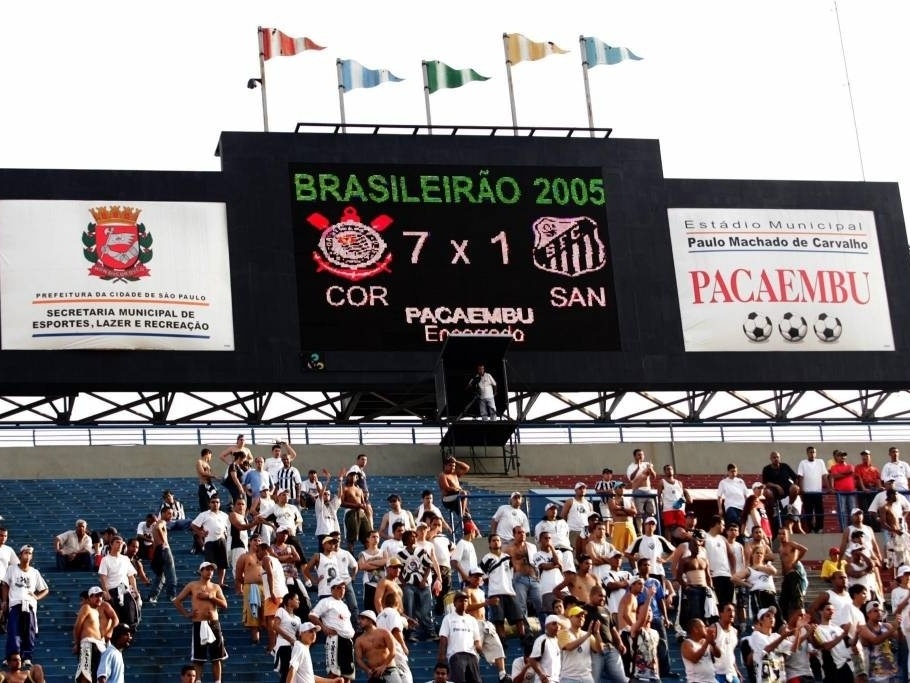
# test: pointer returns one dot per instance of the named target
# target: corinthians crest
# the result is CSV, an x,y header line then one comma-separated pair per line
x,y
568,246
116,244
349,248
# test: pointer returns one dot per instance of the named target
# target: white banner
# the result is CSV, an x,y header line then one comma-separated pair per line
x,y
780,280
114,275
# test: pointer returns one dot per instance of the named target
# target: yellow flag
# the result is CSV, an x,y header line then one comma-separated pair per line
x,y
521,49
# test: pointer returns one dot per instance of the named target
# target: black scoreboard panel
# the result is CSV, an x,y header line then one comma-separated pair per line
x,y
352,256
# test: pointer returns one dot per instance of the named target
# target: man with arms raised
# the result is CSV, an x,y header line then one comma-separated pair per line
x,y
454,497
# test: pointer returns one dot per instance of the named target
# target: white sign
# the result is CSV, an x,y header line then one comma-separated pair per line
x,y
780,280
114,275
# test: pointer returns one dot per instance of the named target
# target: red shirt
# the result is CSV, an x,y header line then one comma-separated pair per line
x,y
845,483
869,474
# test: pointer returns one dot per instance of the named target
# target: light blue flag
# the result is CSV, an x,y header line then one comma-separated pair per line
x,y
598,52
356,75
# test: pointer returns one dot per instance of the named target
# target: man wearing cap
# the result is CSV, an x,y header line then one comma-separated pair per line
x,y
869,479
110,665
476,606
454,497
860,569
301,665
576,511
374,650
88,639
869,542
206,597
464,557
577,648
460,642
842,480
332,615
655,548
546,655
507,517
74,548
765,643
559,533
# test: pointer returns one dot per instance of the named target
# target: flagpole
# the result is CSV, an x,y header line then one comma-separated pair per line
x,y
584,74
340,95
265,106
505,47
426,96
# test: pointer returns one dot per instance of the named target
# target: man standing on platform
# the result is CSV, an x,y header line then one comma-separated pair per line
x,y
454,498
811,475
640,474
484,387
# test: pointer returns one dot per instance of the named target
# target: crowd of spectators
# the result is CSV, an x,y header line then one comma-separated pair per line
x,y
593,590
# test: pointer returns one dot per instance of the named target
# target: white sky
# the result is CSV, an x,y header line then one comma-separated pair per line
x,y
731,89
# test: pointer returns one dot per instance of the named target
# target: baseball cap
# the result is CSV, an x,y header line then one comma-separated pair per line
x,y
337,582
307,626
757,485
460,595
515,494
551,506
470,526
573,610
855,511
580,485
369,614
834,550
27,547
393,562
477,571
763,612
650,520
552,619
120,630
206,564
903,570
865,452
94,590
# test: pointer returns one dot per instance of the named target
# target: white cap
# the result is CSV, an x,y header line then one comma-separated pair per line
x,y
552,619
757,485
580,485
307,626
369,614
903,570
763,612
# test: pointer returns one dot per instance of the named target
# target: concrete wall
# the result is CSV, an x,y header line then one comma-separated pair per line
x,y
84,462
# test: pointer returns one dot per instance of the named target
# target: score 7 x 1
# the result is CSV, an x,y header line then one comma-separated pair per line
x,y
459,247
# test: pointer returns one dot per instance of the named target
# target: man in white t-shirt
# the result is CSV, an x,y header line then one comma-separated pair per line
x,y
731,496
640,475
810,477
896,469
507,517
460,642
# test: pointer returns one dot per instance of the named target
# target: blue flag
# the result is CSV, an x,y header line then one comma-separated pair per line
x,y
598,52
356,75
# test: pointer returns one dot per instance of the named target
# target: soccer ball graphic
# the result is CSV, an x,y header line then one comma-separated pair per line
x,y
757,327
793,328
827,327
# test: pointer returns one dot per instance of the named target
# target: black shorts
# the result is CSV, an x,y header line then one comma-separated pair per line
x,y
212,652
216,553
506,610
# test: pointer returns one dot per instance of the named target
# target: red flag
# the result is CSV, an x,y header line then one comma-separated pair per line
x,y
277,44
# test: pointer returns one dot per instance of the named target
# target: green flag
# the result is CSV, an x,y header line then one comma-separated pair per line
x,y
441,75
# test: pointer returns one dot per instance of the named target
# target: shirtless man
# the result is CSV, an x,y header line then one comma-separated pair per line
x,y
695,580
795,582
206,476
162,561
454,497
580,582
627,617
525,579
205,599
389,585
88,636
16,674
374,650
247,574
357,523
